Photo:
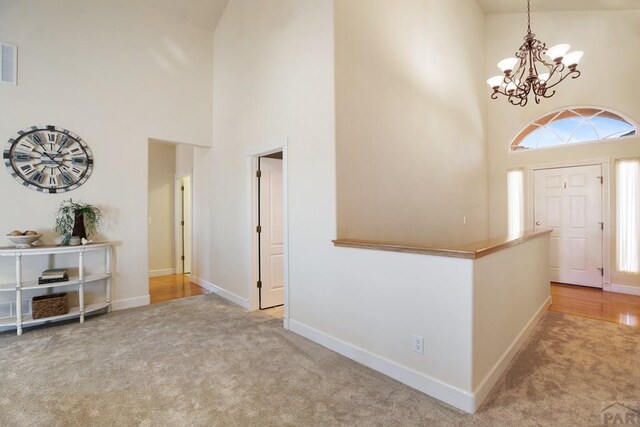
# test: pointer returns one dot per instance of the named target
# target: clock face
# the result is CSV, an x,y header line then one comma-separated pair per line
x,y
48,159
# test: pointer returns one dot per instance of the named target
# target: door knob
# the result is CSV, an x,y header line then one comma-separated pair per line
x,y
537,222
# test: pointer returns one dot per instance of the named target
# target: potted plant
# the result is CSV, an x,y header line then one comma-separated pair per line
x,y
77,220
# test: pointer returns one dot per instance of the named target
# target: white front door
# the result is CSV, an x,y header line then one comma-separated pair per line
x,y
271,236
569,201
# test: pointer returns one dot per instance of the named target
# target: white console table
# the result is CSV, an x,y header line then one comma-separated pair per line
x,y
20,320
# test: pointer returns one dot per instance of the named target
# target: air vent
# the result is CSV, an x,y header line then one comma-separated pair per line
x,y
8,63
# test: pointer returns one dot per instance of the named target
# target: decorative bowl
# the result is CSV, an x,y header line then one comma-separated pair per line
x,y
24,241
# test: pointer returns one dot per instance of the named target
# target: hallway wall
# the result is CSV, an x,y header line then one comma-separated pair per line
x,y
162,170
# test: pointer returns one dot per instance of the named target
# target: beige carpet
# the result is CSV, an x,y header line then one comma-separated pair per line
x,y
204,362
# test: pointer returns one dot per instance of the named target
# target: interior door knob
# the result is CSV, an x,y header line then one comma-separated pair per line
x,y
537,222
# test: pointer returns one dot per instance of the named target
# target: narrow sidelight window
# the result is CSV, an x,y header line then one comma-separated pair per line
x,y
628,214
515,195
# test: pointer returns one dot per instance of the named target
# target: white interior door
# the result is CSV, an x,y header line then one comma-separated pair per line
x,y
183,225
569,201
271,236
186,217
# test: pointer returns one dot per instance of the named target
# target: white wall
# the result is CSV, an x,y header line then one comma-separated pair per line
x,y
116,74
609,72
162,200
184,159
273,71
510,293
369,304
265,78
410,114
274,83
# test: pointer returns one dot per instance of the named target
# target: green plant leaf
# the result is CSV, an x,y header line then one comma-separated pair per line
x,y
65,219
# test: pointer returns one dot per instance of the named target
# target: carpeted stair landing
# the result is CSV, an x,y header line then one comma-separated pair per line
x,y
201,361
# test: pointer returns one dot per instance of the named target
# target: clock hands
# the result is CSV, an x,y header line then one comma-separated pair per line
x,y
61,147
54,157
47,154
58,156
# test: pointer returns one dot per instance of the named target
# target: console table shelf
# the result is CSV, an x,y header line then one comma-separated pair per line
x,y
33,284
20,285
27,320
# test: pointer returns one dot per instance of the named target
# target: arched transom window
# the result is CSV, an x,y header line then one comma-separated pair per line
x,y
573,125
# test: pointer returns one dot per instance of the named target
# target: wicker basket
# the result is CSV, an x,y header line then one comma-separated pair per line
x,y
49,305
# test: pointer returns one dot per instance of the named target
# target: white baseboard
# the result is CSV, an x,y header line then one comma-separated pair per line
x,y
163,272
123,304
625,289
453,396
230,296
468,402
482,391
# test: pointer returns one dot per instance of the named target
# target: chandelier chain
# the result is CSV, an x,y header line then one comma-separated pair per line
x,y
529,15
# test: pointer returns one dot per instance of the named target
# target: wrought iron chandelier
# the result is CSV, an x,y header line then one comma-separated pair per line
x,y
529,72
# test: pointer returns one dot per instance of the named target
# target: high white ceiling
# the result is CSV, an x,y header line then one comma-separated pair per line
x,y
514,6
206,13
202,13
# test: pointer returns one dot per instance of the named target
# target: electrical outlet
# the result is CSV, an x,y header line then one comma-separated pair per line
x,y
418,344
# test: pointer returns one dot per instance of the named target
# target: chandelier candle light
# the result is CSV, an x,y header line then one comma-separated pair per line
x,y
530,72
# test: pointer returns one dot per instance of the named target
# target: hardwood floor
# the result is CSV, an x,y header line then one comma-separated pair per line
x,y
277,312
166,288
595,304
569,299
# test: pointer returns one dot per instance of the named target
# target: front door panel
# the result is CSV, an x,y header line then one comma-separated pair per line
x,y
569,201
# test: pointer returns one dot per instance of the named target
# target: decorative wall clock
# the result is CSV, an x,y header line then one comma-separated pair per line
x,y
48,159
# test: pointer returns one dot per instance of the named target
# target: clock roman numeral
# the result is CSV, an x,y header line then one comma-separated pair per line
x,y
25,146
51,137
21,157
38,177
66,178
36,138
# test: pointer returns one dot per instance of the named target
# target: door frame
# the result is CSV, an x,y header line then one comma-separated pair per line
x,y
604,163
252,160
178,214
